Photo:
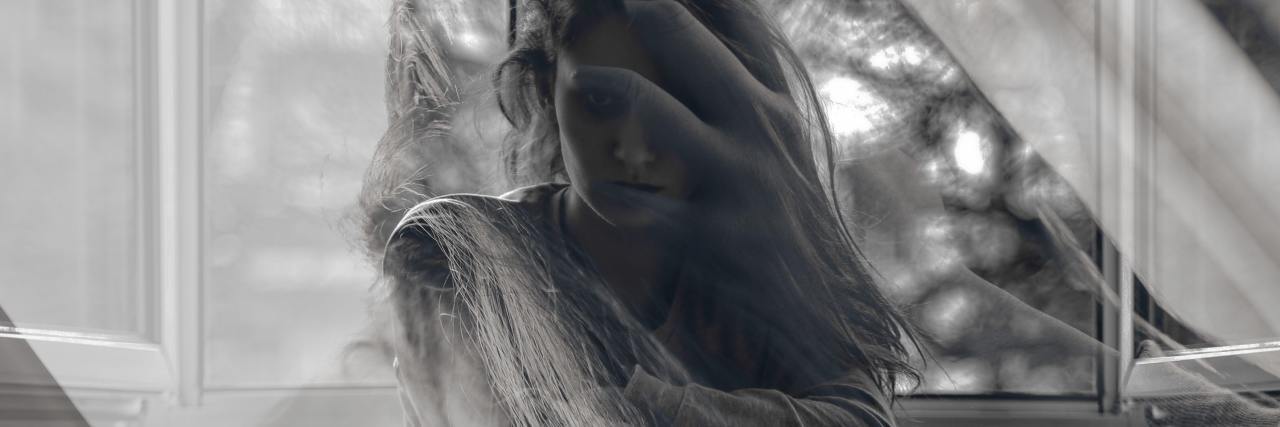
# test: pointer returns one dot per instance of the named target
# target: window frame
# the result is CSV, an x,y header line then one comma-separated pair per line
x,y
109,375
115,376
134,353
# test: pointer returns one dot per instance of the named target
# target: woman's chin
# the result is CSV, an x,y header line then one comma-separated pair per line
x,y
626,207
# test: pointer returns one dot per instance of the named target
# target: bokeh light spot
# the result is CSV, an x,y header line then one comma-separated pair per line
x,y
968,152
850,106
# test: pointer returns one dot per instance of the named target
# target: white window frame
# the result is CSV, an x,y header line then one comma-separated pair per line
x,y
1125,37
109,375
117,377
179,60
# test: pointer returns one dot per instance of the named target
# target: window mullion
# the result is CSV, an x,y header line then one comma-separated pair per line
x,y
178,77
1125,46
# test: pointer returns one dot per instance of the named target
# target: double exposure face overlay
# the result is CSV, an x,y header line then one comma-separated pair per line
x,y
602,141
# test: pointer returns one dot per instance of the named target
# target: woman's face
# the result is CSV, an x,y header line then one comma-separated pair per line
x,y
605,150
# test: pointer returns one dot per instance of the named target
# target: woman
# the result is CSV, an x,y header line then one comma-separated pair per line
x,y
694,270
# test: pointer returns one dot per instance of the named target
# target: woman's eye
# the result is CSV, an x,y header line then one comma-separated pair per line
x,y
602,104
599,99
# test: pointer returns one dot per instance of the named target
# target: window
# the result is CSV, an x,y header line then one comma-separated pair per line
x,y
1208,282
293,109
1173,171
177,205
1212,142
77,282
942,188
75,190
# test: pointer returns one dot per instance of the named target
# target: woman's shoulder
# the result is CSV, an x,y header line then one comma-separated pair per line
x,y
530,200
533,194
526,197
531,204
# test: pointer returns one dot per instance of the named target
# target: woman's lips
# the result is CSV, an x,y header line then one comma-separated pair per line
x,y
648,188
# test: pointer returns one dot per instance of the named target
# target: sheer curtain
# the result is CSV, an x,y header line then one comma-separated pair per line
x,y
1206,244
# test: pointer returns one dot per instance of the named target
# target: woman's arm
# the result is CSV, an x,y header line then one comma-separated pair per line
x,y
847,401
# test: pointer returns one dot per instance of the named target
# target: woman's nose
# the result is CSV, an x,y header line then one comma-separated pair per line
x,y
633,152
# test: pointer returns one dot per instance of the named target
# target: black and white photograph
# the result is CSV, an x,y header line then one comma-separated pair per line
x,y
640,213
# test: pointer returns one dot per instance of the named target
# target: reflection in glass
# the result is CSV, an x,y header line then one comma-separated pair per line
x,y
890,86
294,104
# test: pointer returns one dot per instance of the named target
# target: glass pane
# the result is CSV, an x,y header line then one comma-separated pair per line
x,y
1216,259
1181,171
70,156
944,198
294,103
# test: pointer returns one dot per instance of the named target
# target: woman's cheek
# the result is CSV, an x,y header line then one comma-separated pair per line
x,y
590,143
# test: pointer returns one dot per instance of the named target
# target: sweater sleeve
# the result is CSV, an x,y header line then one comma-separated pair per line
x,y
846,401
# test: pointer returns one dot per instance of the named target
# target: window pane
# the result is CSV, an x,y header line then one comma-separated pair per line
x,y
294,104
1216,251
944,200
70,156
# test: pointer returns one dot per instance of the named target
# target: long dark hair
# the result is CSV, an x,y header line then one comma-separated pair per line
x,y
817,284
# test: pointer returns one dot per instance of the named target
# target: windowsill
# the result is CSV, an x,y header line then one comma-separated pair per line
x,y
1236,368
91,364
1008,411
